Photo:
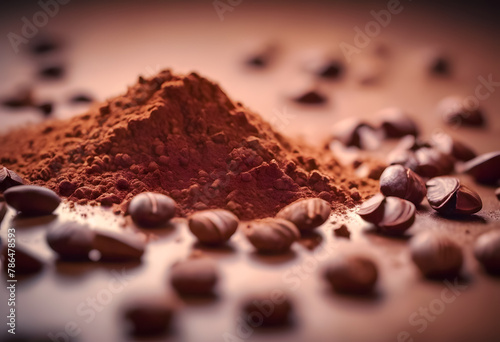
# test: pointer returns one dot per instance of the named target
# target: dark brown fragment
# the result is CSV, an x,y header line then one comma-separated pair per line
x,y
8,179
436,255
310,97
352,274
196,277
396,124
459,112
342,231
497,193
32,200
52,72
306,214
355,133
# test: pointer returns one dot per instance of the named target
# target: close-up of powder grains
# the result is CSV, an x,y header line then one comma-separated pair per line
x,y
183,137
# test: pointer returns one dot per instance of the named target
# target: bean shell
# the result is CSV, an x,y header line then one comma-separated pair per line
x,y
213,226
272,235
32,200
306,214
399,215
8,179
372,210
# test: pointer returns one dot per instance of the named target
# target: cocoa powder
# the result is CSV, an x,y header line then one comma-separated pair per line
x,y
182,136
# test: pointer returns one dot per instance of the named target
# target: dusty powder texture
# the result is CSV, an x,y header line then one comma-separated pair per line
x,y
182,136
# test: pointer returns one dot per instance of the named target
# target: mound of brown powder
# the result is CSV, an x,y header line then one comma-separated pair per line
x,y
181,136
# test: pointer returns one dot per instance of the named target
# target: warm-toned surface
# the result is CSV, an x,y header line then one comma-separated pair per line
x,y
109,53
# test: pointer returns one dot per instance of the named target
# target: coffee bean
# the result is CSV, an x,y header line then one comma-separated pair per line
x,y
447,196
421,158
71,240
194,277
342,231
81,98
25,260
351,132
398,181
151,209
373,209
487,251
32,200
52,72
44,46
119,247
440,66
351,274
399,215
267,310
497,193
326,68
436,255
306,214
484,168
451,147
149,316
213,226
8,179
263,56
3,211
456,111
392,215
396,124
46,108
272,235
24,98
311,96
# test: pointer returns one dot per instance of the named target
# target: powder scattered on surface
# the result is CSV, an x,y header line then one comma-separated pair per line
x,y
182,136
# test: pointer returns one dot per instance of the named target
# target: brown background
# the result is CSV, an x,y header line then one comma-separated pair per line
x,y
108,44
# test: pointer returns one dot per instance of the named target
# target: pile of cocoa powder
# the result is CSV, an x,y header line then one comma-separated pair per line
x,y
182,136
